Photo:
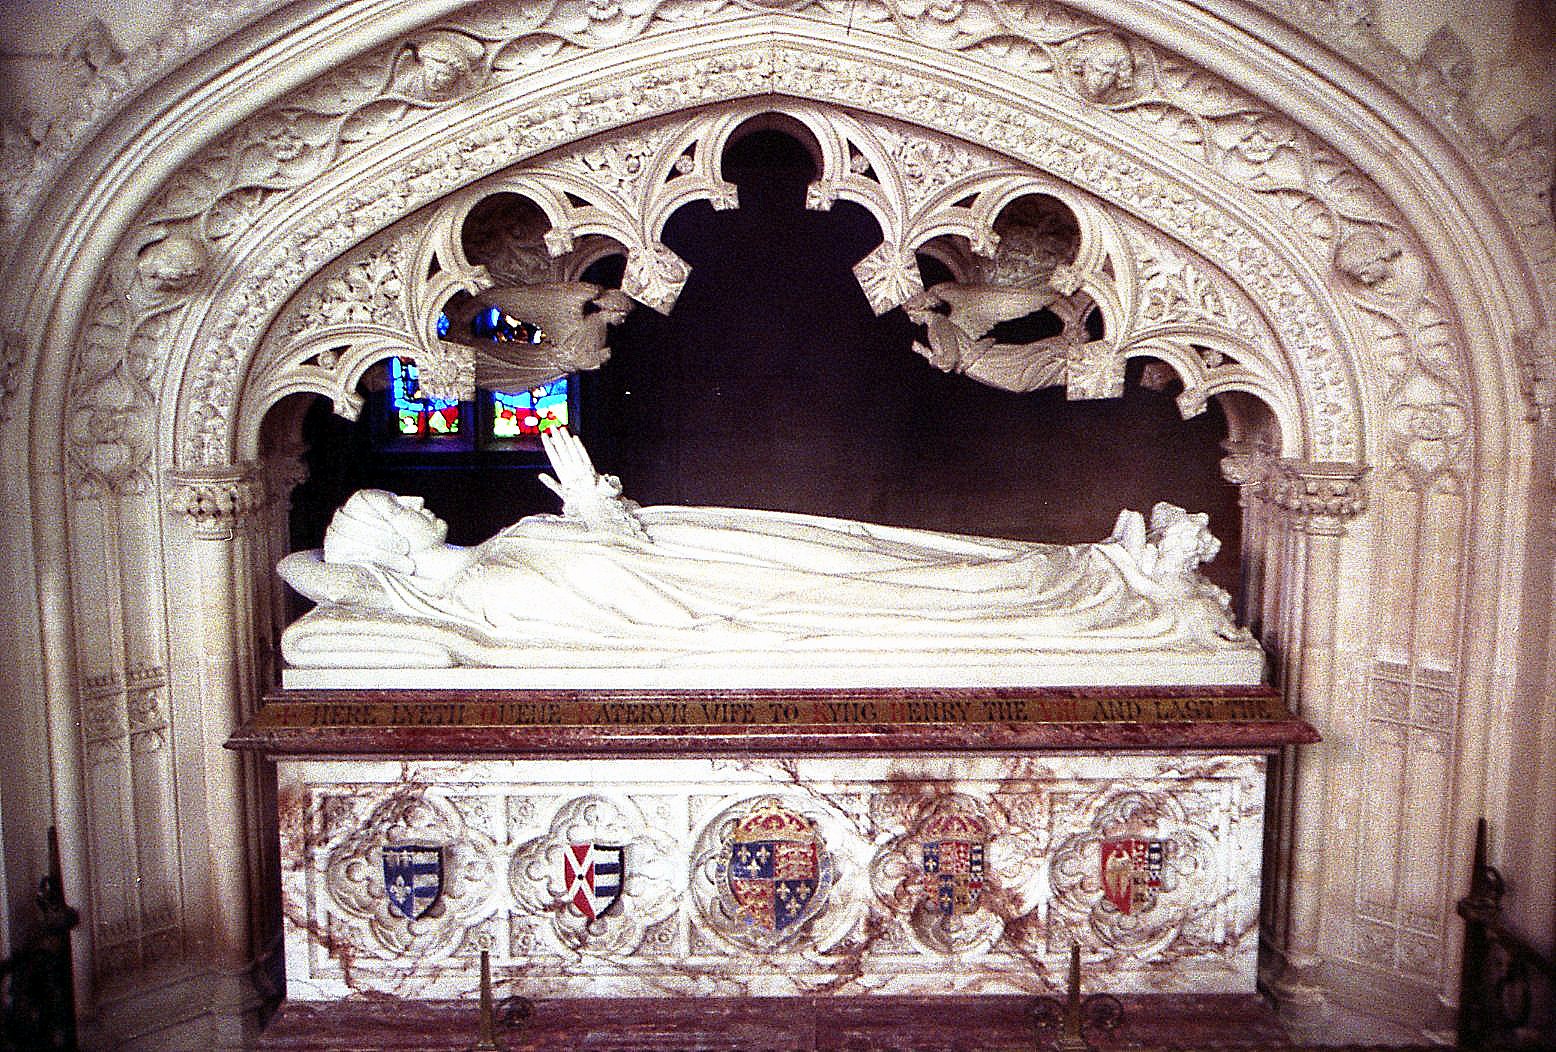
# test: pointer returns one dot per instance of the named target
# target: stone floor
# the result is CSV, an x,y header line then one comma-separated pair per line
x,y
212,1012
786,1024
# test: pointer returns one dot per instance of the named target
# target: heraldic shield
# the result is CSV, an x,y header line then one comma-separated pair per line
x,y
592,876
772,867
413,878
952,852
1131,873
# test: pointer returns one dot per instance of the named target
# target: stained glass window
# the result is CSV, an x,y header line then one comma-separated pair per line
x,y
514,420
521,414
418,417
493,324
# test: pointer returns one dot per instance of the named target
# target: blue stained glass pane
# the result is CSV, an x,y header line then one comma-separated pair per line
x,y
443,325
418,416
493,324
516,414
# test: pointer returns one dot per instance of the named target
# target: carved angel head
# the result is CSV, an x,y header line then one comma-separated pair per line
x,y
443,62
1103,67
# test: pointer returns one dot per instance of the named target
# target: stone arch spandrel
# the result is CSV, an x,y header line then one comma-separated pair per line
x,y
1073,72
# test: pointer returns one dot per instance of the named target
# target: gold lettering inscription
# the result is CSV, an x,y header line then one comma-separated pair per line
x,y
780,711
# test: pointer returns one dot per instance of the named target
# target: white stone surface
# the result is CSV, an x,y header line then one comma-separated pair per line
x,y
1383,257
611,594
871,928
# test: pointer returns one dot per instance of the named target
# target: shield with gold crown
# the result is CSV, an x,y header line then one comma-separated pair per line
x,y
773,871
951,853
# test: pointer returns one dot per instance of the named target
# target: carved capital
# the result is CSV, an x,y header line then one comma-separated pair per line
x,y
1243,467
1317,496
216,500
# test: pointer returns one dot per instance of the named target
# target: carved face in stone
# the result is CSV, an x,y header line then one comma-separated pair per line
x,y
380,528
1103,66
443,64
409,517
1183,540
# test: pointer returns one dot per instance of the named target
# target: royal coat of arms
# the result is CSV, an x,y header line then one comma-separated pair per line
x,y
592,876
773,868
1132,873
951,855
413,878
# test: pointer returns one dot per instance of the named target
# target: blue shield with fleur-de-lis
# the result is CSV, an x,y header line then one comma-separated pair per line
x,y
413,878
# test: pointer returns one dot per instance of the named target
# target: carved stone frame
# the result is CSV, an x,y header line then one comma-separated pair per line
x,y
135,470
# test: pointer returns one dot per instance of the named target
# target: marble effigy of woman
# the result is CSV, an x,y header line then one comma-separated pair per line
x,y
758,598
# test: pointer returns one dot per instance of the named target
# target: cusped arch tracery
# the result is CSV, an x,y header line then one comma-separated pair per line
x,y
1305,312
928,193
1064,65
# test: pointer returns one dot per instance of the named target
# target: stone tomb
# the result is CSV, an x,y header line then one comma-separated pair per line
x,y
774,842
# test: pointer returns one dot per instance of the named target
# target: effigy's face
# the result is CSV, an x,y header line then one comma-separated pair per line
x,y
421,528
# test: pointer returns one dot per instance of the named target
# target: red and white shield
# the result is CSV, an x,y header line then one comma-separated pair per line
x,y
592,876
1131,873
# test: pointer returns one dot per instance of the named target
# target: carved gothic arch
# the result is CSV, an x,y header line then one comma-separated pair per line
x,y
618,188
1380,259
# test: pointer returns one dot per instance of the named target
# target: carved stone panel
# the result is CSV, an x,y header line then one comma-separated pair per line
x,y
772,877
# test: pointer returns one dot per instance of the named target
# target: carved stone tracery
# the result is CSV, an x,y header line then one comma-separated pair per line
x,y
1253,144
175,281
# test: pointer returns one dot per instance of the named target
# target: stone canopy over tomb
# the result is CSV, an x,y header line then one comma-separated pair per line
x,y
257,210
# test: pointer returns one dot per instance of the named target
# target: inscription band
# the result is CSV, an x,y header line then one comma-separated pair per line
x,y
758,711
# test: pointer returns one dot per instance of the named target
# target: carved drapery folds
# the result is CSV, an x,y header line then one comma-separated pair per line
x,y
288,254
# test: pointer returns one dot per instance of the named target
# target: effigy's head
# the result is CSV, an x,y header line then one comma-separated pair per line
x,y
1183,539
380,528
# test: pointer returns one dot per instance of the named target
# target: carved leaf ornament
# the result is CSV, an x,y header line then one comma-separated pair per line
x,y
232,178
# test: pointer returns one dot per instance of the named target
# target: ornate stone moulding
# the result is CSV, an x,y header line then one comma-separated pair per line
x,y
1101,68
611,191
762,876
1304,323
803,75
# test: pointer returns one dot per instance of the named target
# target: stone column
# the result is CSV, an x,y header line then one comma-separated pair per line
x,y
1312,501
220,506
1245,466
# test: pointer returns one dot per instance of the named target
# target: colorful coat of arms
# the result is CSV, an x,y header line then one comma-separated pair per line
x,y
413,878
1131,873
952,849
593,876
772,868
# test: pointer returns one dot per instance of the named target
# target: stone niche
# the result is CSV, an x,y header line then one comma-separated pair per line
x,y
770,842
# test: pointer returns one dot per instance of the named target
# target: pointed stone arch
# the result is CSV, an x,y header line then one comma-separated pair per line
x,y
1391,309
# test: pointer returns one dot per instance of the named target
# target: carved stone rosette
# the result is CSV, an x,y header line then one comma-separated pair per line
x,y
216,500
